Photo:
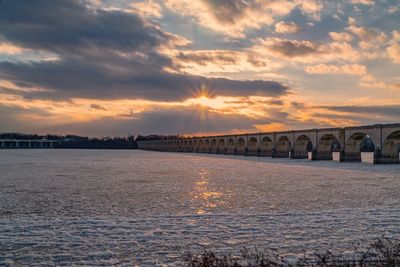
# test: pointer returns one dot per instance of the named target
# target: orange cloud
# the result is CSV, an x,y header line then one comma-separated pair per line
x,y
287,27
368,34
9,48
235,17
370,81
147,8
352,69
341,36
394,52
222,63
394,48
362,2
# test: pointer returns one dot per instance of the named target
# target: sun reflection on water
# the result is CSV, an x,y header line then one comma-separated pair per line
x,y
204,199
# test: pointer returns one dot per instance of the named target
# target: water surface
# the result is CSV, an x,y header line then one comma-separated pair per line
x,y
103,207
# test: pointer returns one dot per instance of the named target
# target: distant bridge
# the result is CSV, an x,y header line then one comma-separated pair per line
x,y
378,143
14,144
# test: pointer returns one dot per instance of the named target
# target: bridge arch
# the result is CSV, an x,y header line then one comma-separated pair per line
x,y
283,147
180,145
357,143
327,144
252,146
241,146
194,145
221,146
302,146
190,146
360,142
230,146
186,146
266,146
214,145
200,145
391,146
172,146
207,146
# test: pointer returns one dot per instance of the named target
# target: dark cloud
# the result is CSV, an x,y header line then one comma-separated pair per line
x,y
387,110
298,105
97,107
102,54
247,102
205,57
290,48
69,78
69,26
227,11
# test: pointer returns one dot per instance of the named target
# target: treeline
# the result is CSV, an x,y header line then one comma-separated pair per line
x,y
84,142
98,143
156,137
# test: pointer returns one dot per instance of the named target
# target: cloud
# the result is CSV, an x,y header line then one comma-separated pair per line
x,y
148,8
352,69
103,54
204,57
369,81
292,48
370,35
362,2
394,52
231,18
97,107
287,27
393,49
306,51
222,63
234,17
341,36
10,49
311,8
56,21
384,110
393,9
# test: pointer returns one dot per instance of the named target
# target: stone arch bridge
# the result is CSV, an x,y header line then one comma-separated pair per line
x,y
378,143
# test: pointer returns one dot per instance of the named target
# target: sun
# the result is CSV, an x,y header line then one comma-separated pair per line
x,y
202,92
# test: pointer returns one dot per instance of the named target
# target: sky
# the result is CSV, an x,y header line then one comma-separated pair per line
x,y
197,67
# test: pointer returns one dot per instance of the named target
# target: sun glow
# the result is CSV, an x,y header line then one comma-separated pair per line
x,y
203,198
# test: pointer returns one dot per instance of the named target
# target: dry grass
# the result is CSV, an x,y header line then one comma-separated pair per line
x,y
383,252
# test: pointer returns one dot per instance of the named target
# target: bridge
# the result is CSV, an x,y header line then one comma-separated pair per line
x,y
14,144
379,143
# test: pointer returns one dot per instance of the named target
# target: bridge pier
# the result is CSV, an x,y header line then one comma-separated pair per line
x,y
369,157
338,156
313,155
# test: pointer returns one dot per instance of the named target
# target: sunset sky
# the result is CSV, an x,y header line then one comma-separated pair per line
x,y
119,67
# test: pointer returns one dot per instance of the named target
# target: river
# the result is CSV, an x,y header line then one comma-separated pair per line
x,y
104,207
